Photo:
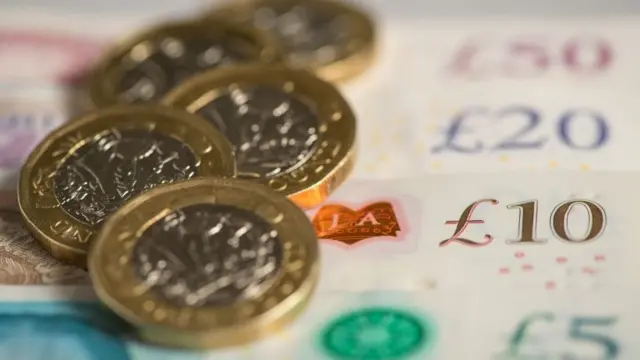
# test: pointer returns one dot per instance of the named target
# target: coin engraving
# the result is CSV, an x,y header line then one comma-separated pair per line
x,y
308,33
99,176
152,68
69,231
272,132
208,267
208,255
24,262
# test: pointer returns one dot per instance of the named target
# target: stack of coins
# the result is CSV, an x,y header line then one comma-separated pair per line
x,y
183,191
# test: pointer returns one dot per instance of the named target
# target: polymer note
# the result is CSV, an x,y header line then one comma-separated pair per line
x,y
533,324
72,330
552,232
336,325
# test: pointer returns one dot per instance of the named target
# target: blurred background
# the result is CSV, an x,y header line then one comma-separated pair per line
x,y
47,46
412,8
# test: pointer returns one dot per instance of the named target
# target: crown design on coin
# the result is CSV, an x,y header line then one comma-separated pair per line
x,y
85,170
340,223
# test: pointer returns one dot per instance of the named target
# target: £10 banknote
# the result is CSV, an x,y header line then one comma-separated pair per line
x,y
553,232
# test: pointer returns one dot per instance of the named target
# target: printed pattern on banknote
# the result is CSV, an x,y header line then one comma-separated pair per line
x,y
23,261
372,325
367,229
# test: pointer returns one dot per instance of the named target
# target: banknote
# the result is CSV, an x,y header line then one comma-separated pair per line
x,y
27,115
69,56
383,325
68,330
373,325
569,325
24,262
445,96
494,95
334,326
466,325
558,231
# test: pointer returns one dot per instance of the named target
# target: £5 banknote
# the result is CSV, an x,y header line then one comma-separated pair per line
x,y
466,325
334,326
382,325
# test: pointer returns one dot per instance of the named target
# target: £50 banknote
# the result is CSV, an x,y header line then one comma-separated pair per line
x,y
557,231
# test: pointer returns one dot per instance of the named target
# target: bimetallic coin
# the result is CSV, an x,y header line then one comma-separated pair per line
x,y
145,67
289,129
206,263
333,39
85,170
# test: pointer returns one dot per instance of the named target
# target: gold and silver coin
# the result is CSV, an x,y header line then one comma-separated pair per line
x,y
333,39
206,263
289,129
150,63
83,171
